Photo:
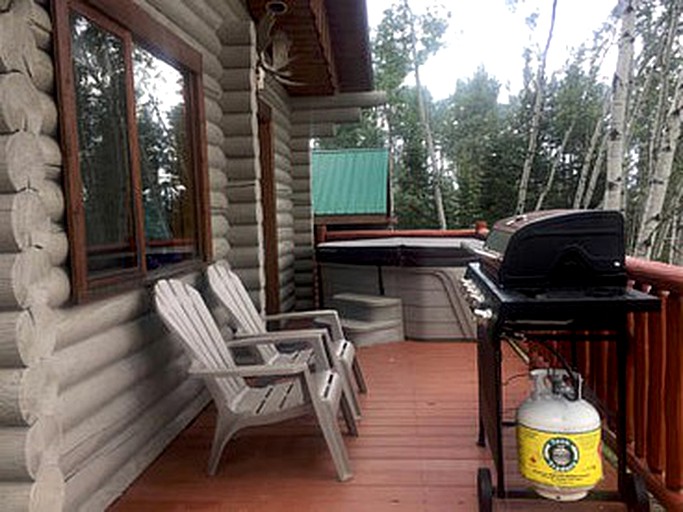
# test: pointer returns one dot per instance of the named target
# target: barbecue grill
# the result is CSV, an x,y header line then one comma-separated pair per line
x,y
556,274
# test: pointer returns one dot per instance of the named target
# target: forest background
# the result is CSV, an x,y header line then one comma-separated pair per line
x,y
570,138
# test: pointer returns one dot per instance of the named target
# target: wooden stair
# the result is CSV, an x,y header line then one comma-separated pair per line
x,y
369,319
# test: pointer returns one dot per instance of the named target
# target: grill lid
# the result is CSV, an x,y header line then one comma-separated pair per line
x,y
557,249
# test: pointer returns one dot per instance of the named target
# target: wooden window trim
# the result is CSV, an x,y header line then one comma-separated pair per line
x,y
128,21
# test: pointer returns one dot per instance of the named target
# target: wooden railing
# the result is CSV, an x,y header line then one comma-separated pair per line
x,y
655,381
656,376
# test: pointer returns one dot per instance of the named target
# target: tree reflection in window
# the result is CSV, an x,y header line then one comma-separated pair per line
x,y
103,145
165,160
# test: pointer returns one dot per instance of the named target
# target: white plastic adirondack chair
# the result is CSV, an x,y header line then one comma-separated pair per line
x,y
298,391
228,288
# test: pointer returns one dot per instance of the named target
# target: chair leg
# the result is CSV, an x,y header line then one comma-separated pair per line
x,y
224,431
334,440
347,413
348,390
358,374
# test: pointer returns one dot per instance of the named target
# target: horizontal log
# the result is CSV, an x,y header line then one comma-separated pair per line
x,y
206,13
253,279
237,56
216,158
56,287
26,394
240,169
244,256
20,159
240,146
217,179
221,248
17,49
26,336
22,219
21,275
44,494
50,151
48,108
80,361
218,201
20,104
248,191
239,124
41,26
23,449
239,102
219,225
212,87
238,79
213,111
85,439
241,236
236,33
244,213
188,21
126,456
89,395
52,197
55,242
214,133
81,322
43,71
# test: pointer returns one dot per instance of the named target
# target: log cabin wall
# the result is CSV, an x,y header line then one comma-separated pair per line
x,y
241,148
277,99
303,216
89,394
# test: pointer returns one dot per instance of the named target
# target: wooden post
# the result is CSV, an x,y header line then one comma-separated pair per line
x,y
655,410
640,377
674,393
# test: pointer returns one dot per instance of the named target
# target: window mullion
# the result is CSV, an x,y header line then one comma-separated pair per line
x,y
136,174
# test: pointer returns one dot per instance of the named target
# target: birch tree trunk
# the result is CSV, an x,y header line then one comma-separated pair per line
x,y
535,119
659,181
429,139
586,167
615,186
662,71
556,164
597,171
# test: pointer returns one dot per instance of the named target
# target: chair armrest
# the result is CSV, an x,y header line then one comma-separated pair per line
x,y
317,339
329,317
285,370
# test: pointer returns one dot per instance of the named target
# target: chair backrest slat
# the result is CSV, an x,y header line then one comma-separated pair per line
x,y
229,289
183,310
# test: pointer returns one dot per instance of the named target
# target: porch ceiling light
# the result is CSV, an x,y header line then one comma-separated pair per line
x,y
276,7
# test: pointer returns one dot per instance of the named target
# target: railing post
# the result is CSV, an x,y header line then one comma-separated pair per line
x,y
674,393
640,368
655,414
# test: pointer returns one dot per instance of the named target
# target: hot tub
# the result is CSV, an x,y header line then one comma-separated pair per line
x,y
422,272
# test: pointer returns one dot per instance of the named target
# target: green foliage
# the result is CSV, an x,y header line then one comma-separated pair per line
x,y
482,143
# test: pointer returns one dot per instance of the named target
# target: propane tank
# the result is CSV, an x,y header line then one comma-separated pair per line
x,y
559,437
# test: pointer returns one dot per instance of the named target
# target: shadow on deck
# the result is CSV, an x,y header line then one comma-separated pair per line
x,y
415,451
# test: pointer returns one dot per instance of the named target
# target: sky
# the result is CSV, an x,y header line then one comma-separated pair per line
x,y
487,33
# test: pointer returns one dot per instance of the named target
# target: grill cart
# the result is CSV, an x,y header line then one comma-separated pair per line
x,y
551,275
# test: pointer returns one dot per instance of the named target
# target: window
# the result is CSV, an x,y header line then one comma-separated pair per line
x,y
134,144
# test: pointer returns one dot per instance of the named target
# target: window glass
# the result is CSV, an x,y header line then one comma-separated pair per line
x,y
103,146
165,160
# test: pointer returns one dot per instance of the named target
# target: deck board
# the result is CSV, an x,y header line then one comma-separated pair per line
x,y
415,452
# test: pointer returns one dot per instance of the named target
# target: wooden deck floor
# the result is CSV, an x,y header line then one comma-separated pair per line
x,y
416,450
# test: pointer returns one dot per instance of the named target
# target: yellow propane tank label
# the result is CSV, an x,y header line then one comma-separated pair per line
x,y
564,460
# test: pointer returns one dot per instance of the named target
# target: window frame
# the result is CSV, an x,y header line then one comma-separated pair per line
x,y
132,24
